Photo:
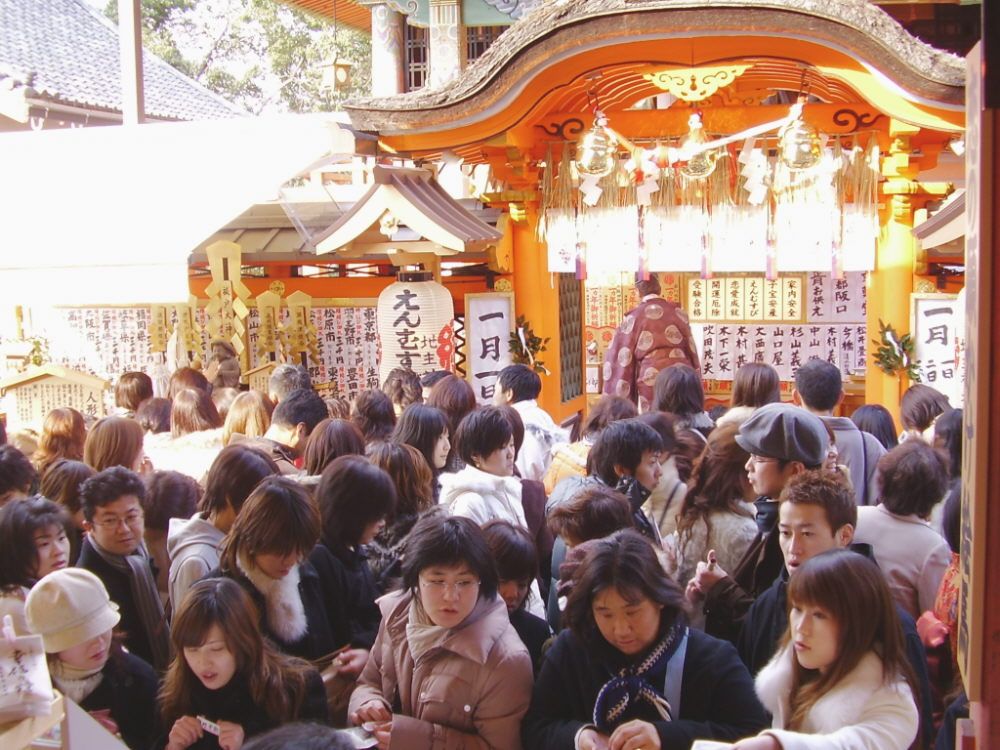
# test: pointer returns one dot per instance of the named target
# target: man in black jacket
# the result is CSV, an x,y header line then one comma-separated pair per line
x,y
782,441
817,513
293,421
114,551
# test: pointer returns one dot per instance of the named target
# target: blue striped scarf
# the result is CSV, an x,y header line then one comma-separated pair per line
x,y
629,688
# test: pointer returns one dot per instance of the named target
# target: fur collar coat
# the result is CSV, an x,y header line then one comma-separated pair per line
x,y
863,711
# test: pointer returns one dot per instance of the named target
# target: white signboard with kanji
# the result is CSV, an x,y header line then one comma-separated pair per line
x,y
934,318
489,321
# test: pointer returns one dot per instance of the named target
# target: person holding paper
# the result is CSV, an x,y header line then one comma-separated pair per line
x,y
448,669
72,612
227,682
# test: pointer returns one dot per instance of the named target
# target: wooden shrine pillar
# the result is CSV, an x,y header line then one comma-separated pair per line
x,y
891,283
388,50
536,297
979,606
447,42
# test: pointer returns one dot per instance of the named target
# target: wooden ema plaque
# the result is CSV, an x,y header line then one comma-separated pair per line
x,y
258,377
32,394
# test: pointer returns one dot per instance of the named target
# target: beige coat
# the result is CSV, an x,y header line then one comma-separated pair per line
x,y
470,690
910,553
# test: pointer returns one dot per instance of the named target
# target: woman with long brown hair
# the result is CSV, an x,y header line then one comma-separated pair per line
x,y
195,437
453,396
226,672
63,436
716,512
755,384
842,670
329,440
116,441
249,416
413,479
265,552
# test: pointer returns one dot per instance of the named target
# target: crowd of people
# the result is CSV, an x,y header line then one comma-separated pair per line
x,y
215,568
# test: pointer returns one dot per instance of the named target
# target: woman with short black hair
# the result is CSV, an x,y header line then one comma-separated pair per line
x,y
517,567
447,668
354,498
628,671
486,488
33,543
876,419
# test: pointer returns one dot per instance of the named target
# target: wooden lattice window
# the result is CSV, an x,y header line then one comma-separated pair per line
x,y
570,336
417,57
478,39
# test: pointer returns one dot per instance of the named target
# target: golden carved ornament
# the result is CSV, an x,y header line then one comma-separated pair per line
x,y
696,84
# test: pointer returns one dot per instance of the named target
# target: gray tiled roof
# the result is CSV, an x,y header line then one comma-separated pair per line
x,y
68,52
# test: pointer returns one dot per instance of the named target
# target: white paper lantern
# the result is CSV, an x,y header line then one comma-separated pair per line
x,y
415,316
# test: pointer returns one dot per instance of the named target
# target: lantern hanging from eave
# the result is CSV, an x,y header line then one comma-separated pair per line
x,y
415,315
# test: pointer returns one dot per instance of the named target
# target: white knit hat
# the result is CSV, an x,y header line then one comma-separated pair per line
x,y
69,607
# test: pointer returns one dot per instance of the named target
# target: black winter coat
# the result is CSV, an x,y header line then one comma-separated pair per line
x,y
319,640
728,601
117,583
348,570
128,690
385,553
233,703
717,696
533,632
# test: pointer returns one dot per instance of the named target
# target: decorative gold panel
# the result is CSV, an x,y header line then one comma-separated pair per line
x,y
696,84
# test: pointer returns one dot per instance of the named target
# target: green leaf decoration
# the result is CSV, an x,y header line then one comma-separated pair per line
x,y
522,355
894,354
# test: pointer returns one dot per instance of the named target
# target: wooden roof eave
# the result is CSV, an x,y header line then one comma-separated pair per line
x,y
415,199
902,76
945,226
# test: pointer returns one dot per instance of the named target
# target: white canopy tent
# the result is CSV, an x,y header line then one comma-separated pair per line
x,y
110,215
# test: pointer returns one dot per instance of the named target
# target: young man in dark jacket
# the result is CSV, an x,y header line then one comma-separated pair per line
x,y
293,421
817,514
782,441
